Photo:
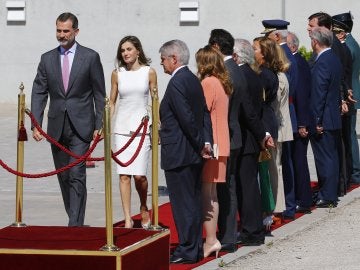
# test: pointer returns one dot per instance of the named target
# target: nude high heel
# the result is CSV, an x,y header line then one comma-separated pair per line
x,y
129,226
209,249
145,219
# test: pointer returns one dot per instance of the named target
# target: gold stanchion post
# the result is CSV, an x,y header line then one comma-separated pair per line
x,y
20,160
108,184
155,160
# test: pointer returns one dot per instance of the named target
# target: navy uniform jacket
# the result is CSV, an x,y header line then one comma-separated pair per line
x,y
185,121
325,96
355,54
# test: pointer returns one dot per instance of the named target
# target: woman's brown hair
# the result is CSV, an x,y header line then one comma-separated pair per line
x,y
211,63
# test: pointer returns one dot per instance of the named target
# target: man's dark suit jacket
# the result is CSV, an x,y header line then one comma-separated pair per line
x,y
302,93
325,95
340,52
252,128
239,84
84,100
270,84
185,126
292,76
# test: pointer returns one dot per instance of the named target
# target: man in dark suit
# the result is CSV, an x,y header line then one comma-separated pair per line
x,y
325,120
240,111
249,199
185,138
325,20
75,110
303,193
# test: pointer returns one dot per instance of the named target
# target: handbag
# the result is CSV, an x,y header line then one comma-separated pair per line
x,y
264,155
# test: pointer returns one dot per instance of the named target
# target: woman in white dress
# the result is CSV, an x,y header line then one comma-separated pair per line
x,y
131,81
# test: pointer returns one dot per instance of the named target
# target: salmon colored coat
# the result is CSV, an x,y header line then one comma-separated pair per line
x,y
217,102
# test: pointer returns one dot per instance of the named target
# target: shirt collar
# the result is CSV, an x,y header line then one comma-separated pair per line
x,y
320,53
176,70
71,50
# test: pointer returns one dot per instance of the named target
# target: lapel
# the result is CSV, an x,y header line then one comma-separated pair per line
x,y
76,66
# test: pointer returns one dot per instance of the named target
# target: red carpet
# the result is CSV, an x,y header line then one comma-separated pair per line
x,y
74,248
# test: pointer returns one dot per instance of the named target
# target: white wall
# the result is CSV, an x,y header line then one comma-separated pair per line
x,y
103,23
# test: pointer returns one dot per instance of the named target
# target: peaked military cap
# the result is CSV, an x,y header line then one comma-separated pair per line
x,y
339,26
345,18
272,25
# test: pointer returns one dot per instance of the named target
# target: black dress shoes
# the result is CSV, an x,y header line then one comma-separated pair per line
x,y
325,204
228,247
179,260
252,242
286,217
301,209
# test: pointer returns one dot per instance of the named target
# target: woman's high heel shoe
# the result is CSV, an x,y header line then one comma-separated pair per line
x,y
145,219
129,226
209,249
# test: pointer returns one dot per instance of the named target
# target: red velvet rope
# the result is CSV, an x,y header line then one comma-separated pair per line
x,y
60,170
131,160
79,159
114,155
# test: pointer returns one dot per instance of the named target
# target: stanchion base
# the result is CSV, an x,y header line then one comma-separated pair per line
x,y
156,228
18,224
109,248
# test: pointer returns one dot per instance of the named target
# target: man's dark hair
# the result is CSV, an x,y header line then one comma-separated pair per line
x,y
223,39
324,19
68,16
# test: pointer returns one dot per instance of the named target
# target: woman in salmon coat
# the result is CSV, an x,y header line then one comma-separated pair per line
x,y
217,87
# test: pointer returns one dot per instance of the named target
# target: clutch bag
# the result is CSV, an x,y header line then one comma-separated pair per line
x,y
264,155
216,151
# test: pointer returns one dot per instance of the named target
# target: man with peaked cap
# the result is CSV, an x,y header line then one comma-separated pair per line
x,y
346,21
339,29
277,31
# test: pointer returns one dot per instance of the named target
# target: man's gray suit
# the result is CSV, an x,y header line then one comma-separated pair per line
x,y
72,117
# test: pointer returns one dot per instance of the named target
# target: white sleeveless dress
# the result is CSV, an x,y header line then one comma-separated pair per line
x,y
133,87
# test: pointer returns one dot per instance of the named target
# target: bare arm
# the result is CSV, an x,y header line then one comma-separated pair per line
x,y
152,79
113,91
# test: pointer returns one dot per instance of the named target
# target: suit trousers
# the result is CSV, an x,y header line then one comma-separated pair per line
x,y
345,155
184,186
249,198
72,181
228,204
288,176
303,192
325,150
